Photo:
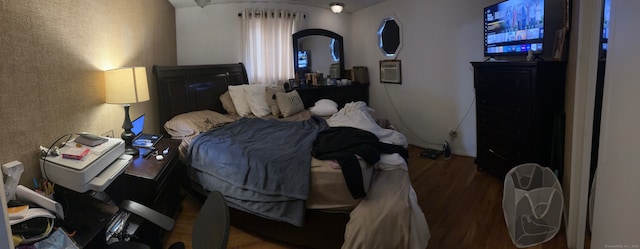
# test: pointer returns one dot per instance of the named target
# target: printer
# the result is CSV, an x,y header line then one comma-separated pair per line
x,y
94,171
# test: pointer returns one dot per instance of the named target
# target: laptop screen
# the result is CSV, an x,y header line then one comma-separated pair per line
x,y
138,125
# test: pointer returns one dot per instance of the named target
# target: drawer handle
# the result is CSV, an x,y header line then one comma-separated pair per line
x,y
498,155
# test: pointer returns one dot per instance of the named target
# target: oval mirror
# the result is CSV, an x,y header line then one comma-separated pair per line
x,y
318,50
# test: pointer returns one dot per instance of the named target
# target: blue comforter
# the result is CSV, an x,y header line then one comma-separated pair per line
x,y
261,166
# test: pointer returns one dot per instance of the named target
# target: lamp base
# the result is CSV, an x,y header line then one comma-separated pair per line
x,y
131,150
127,135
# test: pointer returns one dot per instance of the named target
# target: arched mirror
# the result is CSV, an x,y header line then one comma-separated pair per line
x,y
318,50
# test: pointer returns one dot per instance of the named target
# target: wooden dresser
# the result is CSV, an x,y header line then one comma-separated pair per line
x,y
340,94
520,114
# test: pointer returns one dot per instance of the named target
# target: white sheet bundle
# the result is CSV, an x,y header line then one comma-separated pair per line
x,y
389,216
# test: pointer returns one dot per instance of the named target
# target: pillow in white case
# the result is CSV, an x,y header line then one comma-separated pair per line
x,y
326,102
270,97
227,103
324,107
239,99
255,95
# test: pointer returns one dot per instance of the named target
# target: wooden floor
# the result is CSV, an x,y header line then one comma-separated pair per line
x,y
463,207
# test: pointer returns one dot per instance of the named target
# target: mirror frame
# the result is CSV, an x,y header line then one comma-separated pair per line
x,y
309,32
381,41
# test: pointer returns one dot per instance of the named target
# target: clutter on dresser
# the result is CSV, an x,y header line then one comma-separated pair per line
x,y
32,215
87,162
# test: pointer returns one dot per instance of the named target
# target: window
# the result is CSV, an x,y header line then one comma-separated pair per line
x,y
267,44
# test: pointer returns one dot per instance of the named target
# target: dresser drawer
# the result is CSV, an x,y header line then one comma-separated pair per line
x,y
488,159
510,127
504,80
516,108
518,148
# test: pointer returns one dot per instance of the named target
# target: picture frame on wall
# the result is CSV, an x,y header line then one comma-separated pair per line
x,y
558,45
390,71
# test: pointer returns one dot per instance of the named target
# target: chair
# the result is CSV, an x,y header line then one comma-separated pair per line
x,y
210,231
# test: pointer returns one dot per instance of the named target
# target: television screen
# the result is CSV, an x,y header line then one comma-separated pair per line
x,y
303,59
605,24
514,27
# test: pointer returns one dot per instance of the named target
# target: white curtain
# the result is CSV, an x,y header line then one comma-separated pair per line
x,y
267,43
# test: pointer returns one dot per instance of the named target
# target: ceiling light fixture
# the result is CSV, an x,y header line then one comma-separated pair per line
x,y
337,7
202,3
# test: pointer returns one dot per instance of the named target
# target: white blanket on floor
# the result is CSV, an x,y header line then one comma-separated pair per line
x,y
389,216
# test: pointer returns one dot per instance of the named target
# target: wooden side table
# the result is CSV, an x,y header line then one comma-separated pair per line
x,y
153,183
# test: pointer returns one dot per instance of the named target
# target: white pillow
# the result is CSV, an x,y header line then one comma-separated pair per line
x,y
255,95
227,103
270,97
238,97
326,102
324,107
289,103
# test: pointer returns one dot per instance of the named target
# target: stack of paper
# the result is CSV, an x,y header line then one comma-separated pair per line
x,y
49,208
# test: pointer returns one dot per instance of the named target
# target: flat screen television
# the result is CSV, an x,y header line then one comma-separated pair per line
x,y
604,35
304,60
515,27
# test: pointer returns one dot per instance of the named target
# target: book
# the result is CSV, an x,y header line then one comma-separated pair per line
x,y
146,140
431,153
90,139
50,206
75,153
18,212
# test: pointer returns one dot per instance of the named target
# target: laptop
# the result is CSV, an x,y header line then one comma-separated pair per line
x,y
143,139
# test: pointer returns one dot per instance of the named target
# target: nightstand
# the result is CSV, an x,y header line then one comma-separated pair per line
x,y
153,183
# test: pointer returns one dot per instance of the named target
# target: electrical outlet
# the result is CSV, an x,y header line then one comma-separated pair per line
x,y
452,134
108,134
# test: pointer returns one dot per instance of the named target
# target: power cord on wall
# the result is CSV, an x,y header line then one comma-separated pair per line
x,y
48,152
465,115
445,146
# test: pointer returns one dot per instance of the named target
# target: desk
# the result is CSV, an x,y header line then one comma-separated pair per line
x,y
84,215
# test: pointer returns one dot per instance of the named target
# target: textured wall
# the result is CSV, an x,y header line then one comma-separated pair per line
x,y
53,55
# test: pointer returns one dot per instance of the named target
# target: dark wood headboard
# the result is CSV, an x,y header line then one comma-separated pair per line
x,y
184,89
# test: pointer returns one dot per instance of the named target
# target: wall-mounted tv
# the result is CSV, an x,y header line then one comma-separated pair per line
x,y
515,27
304,59
604,36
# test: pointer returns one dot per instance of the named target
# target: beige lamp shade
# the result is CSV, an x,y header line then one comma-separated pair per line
x,y
126,85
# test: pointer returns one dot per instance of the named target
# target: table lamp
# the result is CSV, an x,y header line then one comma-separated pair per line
x,y
126,86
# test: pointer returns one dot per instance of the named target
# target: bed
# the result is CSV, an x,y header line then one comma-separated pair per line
x,y
331,217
